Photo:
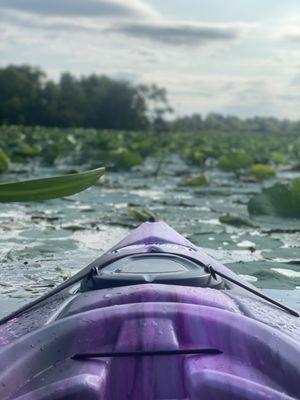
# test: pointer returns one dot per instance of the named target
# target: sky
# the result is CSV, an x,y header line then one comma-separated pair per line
x,y
235,57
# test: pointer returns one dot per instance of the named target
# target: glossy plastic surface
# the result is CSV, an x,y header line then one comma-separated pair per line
x,y
258,361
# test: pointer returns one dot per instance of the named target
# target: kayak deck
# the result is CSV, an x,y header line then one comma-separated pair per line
x,y
149,321
152,318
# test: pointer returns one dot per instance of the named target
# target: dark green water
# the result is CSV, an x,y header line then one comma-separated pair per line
x,y
41,244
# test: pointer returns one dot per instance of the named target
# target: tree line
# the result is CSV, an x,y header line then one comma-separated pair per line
x,y
219,123
28,97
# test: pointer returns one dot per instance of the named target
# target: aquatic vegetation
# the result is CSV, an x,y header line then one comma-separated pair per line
x,y
198,157
48,188
262,171
123,150
215,216
50,234
24,153
195,157
279,200
4,161
236,220
278,158
141,214
296,167
235,160
125,159
196,181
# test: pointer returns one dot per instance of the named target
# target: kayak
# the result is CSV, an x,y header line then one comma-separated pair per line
x,y
152,318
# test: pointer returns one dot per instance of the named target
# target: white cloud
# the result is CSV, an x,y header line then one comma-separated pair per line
x,y
202,65
81,8
287,28
294,38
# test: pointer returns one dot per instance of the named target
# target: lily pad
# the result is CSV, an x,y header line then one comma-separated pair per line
x,y
196,157
268,274
197,181
278,158
142,215
262,171
235,160
125,159
279,200
288,254
236,220
275,279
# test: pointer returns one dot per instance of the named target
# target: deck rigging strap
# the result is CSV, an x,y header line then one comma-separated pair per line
x,y
89,270
214,272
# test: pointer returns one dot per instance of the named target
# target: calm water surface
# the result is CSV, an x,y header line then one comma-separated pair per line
x,y
44,243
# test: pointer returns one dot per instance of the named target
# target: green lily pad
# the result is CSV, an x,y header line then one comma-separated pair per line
x,y
236,220
289,254
261,171
142,215
274,278
196,181
278,158
235,160
125,159
279,200
268,274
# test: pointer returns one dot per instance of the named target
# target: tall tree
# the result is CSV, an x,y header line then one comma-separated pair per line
x,y
20,93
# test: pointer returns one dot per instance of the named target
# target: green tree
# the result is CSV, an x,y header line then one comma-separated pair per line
x,y
28,98
20,93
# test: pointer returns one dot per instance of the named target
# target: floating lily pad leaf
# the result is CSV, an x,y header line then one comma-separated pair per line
x,y
261,171
48,188
274,278
271,224
278,158
268,274
196,181
125,159
236,220
235,160
196,157
142,215
25,151
288,254
279,200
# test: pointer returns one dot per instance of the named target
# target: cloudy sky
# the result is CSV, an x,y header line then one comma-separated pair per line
x,y
238,57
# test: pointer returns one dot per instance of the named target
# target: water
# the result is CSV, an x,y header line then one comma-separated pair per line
x,y
44,243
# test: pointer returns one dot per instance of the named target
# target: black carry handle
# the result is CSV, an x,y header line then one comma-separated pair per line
x,y
84,356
